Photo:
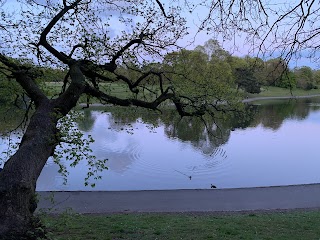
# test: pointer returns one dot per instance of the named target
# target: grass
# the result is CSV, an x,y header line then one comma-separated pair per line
x,y
54,88
279,92
119,90
122,91
289,225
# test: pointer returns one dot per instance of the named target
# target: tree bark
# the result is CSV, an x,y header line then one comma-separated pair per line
x,y
20,173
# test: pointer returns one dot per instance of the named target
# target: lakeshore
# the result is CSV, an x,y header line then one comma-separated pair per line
x,y
252,99
206,200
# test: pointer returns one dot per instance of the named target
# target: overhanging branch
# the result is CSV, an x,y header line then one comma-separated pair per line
x,y
130,101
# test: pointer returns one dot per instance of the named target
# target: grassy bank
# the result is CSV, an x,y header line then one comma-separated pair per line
x,y
53,89
122,91
280,92
290,225
114,89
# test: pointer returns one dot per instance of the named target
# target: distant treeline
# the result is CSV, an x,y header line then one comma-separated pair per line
x,y
211,63
214,70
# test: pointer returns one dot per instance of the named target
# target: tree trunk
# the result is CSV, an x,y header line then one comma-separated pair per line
x,y
20,173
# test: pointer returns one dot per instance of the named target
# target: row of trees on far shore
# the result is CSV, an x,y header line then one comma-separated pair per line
x,y
212,64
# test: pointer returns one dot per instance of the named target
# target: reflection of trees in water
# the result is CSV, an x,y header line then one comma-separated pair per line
x,y
124,118
302,109
206,137
87,121
272,114
193,130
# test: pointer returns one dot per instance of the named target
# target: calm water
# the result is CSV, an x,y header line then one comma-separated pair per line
x,y
279,146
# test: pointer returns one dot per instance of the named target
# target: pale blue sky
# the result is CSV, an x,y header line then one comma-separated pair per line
x,y
236,46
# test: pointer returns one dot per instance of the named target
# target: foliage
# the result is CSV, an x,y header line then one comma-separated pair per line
x,y
305,78
203,74
10,92
273,71
74,147
287,80
316,76
246,80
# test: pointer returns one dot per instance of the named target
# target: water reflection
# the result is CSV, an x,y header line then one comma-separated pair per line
x,y
275,144
271,114
86,123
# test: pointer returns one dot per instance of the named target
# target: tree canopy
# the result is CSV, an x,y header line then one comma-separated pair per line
x,y
87,41
97,44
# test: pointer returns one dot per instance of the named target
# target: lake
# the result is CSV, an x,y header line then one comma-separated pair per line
x,y
276,145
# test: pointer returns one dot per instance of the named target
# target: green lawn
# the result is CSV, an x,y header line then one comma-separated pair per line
x,y
291,225
278,92
54,88
119,90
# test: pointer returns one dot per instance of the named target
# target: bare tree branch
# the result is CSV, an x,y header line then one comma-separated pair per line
x,y
127,46
43,37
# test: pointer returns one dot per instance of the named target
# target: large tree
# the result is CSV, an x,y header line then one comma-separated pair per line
x,y
88,40
82,37
206,66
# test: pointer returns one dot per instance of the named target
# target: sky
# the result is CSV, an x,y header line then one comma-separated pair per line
x,y
236,46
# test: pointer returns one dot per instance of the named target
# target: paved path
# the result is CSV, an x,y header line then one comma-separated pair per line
x,y
211,200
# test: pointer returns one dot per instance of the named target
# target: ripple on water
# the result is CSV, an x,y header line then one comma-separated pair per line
x,y
121,159
203,167
215,164
150,167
